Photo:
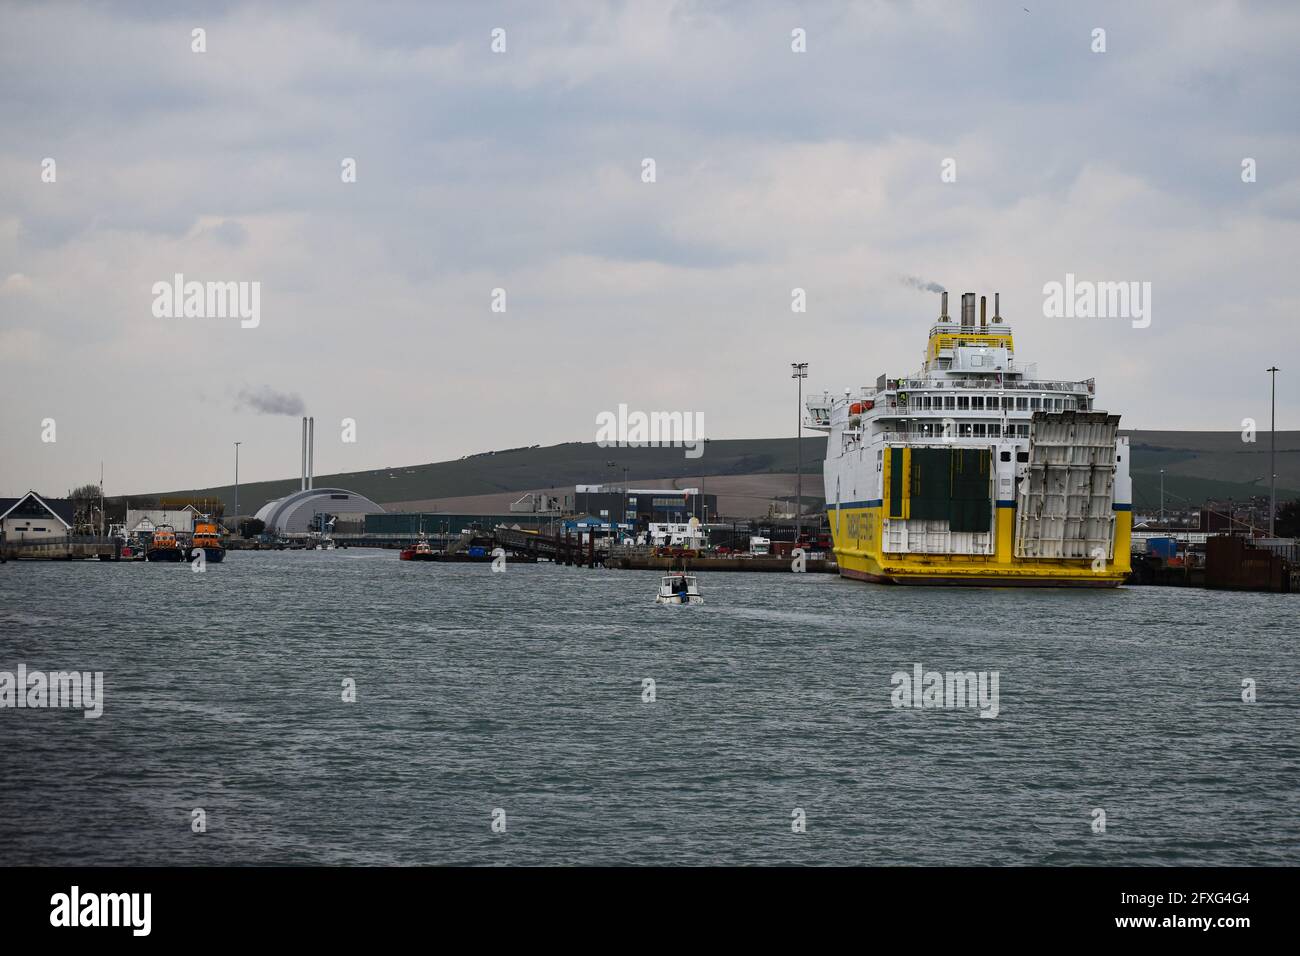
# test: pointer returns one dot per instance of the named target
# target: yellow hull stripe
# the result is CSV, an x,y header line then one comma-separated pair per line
x,y
857,540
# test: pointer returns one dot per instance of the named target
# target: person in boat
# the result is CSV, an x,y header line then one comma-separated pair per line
x,y
680,586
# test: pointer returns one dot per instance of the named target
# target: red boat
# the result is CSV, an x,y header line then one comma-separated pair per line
x,y
423,551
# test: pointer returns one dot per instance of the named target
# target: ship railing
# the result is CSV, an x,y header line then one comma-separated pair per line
x,y
937,437
1033,385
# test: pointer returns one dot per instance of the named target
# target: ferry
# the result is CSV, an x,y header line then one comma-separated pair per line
x,y
974,471
207,537
164,546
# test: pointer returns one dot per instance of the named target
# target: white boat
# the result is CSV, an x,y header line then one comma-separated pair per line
x,y
679,588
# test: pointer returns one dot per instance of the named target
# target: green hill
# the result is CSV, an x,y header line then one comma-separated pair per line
x,y
1198,465
522,469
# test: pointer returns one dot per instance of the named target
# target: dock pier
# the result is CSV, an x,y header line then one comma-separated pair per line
x,y
66,548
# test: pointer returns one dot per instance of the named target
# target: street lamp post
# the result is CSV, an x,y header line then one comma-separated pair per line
x,y
237,444
1162,499
1272,451
799,374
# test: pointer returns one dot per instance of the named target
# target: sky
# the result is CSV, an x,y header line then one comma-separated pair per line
x,y
523,170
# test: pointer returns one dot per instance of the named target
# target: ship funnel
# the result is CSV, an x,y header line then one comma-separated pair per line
x,y
943,309
968,310
311,451
997,308
303,479
984,312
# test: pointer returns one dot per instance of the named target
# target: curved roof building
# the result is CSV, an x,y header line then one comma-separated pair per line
x,y
293,513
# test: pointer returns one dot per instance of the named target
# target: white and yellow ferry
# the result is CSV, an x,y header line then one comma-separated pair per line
x,y
975,471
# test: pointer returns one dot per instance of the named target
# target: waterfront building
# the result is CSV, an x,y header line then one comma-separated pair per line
x,y
32,517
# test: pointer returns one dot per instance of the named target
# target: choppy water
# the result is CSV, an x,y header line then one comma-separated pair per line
x,y
523,691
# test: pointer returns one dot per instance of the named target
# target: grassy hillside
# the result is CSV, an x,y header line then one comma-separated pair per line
x,y
524,469
1197,465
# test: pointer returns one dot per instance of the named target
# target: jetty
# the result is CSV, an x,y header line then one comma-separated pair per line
x,y
64,548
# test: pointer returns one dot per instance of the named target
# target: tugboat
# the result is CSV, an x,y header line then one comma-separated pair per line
x,y
679,588
164,546
423,551
207,537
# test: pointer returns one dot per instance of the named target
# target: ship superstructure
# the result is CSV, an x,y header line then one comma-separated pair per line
x,y
975,471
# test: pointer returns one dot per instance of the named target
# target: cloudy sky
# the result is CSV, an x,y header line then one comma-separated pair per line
x,y
522,170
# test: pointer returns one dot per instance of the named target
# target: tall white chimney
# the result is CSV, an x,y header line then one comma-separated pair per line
x,y
303,478
311,451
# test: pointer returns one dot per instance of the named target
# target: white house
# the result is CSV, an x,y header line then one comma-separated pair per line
x,y
145,521
32,517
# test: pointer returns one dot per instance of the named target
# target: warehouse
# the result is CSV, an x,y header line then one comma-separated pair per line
x,y
295,513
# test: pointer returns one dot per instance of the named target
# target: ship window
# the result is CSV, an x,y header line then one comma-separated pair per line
x,y
1005,456
1008,402
1022,403
977,402
1022,456
963,403
979,431
949,402
964,430
995,431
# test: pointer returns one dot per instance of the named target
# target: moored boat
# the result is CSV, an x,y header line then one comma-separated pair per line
x,y
164,546
422,551
975,471
208,537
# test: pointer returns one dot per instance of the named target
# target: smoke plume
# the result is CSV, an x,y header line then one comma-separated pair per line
x,y
267,401
921,284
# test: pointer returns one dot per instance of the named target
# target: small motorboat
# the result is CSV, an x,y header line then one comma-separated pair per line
x,y
679,588
423,551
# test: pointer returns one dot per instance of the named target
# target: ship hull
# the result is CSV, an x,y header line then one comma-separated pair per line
x,y
214,555
861,559
164,554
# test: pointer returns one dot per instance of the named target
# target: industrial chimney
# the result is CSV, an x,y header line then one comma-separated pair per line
x,y
943,309
303,485
311,451
984,313
968,310
997,309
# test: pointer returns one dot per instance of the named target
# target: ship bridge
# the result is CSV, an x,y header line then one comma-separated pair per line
x,y
967,347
